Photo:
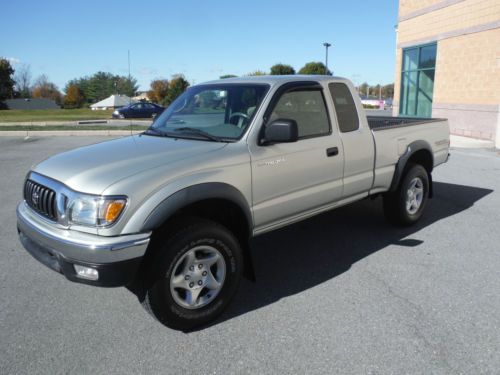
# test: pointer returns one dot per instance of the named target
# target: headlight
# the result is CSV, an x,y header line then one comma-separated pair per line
x,y
91,210
116,112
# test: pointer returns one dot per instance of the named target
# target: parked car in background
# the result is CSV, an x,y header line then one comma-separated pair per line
x,y
139,110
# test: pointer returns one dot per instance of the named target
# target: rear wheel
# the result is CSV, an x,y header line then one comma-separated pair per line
x,y
196,273
406,205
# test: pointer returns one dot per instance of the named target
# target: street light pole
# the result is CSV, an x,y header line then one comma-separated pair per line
x,y
326,56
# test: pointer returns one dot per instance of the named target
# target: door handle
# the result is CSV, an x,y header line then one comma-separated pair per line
x,y
332,151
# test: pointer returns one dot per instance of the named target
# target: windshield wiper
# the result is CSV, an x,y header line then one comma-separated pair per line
x,y
197,131
155,132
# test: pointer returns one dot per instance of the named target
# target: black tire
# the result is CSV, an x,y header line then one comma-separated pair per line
x,y
395,204
159,299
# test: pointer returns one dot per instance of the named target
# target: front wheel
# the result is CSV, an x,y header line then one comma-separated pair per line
x,y
196,273
406,205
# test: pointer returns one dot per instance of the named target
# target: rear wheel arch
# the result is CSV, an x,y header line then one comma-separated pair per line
x,y
418,152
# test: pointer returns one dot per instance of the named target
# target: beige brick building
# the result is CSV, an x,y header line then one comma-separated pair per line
x,y
448,64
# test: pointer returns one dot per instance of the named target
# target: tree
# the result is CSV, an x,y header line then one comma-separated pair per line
x,y
126,86
227,76
23,80
73,98
43,88
282,69
388,90
158,91
314,67
257,73
177,85
364,88
6,81
103,84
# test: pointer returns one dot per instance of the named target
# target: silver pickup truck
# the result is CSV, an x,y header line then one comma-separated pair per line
x,y
172,210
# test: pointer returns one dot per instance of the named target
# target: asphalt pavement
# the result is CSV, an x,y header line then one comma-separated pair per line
x,y
343,292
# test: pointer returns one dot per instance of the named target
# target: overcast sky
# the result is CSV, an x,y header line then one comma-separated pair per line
x,y
200,39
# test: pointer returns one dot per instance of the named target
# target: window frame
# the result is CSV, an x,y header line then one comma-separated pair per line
x,y
291,87
417,70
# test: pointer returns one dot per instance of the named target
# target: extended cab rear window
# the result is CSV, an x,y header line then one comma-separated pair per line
x,y
347,115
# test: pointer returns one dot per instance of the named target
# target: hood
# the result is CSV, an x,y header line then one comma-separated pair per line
x,y
91,169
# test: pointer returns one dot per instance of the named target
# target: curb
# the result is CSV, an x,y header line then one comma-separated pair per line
x,y
121,122
457,141
66,133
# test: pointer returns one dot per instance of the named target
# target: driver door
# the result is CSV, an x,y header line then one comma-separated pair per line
x,y
291,180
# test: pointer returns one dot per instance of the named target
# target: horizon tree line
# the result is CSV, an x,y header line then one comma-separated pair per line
x,y
83,91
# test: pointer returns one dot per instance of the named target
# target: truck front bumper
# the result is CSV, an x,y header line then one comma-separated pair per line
x,y
114,260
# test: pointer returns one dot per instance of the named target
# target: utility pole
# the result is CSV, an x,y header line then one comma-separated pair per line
x,y
326,44
128,54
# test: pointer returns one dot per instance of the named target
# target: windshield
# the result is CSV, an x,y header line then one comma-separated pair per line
x,y
211,112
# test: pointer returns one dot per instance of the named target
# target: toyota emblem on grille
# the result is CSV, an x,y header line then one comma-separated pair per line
x,y
34,198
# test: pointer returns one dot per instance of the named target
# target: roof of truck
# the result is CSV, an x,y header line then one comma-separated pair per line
x,y
272,80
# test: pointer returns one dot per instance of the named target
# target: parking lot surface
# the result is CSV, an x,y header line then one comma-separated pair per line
x,y
343,292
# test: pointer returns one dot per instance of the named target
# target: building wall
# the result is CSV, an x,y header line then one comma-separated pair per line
x,y
467,77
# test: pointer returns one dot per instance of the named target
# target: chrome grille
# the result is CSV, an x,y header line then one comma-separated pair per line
x,y
41,199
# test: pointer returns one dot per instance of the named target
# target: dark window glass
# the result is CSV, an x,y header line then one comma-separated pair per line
x,y
427,57
347,115
307,108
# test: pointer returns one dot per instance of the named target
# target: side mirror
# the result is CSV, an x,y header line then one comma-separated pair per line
x,y
281,131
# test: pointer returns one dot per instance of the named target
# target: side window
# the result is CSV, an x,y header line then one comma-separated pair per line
x,y
347,115
308,108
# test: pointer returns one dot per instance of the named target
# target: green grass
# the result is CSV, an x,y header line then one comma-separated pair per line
x,y
69,127
13,115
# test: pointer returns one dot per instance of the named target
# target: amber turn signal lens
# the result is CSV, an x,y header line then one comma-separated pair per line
x,y
113,210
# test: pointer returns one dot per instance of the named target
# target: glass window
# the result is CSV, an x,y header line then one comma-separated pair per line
x,y
427,57
424,96
223,111
307,108
417,81
347,115
410,59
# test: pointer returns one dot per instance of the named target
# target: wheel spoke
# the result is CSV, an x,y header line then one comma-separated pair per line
x,y
192,296
189,260
212,283
179,282
212,259
409,203
414,205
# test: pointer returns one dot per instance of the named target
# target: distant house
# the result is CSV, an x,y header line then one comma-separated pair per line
x,y
112,102
31,103
141,96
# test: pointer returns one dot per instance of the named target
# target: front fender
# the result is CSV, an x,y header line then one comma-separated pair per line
x,y
193,194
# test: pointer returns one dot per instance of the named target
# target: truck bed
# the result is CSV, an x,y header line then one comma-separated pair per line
x,y
381,122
